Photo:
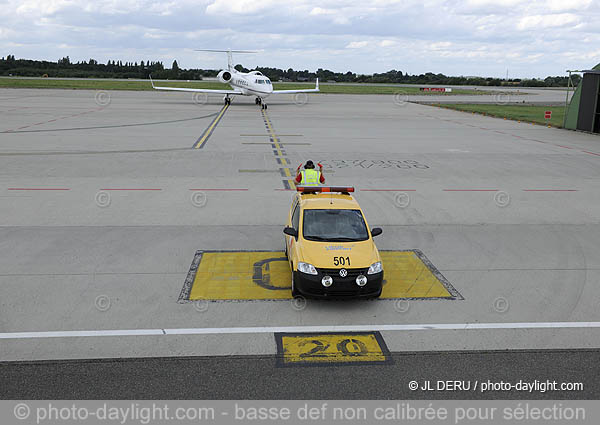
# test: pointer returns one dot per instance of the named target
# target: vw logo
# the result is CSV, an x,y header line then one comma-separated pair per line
x,y
343,272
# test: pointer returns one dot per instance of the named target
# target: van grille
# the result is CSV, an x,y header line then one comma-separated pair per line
x,y
352,273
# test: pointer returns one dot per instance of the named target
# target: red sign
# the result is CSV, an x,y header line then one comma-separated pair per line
x,y
439,89
548,115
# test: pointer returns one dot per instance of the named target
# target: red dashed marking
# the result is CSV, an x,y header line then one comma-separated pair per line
x,y
38,188
550,190
566,147
591,153
388,190
223,190
127,189
470,190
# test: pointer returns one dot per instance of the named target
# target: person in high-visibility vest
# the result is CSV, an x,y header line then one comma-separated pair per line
x,y
309,176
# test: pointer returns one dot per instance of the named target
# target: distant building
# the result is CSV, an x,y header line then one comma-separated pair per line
x,y
583,112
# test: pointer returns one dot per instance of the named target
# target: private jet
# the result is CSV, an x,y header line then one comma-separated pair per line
x,y
252,83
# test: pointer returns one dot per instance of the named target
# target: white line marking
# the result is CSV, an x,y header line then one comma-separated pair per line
x,y
297,329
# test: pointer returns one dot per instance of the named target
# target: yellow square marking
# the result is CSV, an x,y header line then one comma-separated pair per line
x,y
331,348
266,275
407,276
262,275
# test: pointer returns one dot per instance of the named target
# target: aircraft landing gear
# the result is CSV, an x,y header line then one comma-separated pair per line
x,y
227,100
263,106
258,101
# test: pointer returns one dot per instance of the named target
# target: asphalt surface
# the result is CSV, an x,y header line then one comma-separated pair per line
x,y
259,378
506,211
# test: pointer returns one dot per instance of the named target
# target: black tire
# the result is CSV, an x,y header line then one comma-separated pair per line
x,y
295,292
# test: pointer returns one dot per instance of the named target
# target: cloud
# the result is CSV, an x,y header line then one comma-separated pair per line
x,y
495,3
357,44
442,45
29,7
321,11
6,33
547,21
564,5
239,7
334,15
388,43
530,37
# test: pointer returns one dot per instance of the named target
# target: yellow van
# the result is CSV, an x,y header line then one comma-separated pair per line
x,y
329,245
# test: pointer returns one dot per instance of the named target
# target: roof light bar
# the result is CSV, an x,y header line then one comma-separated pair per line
x,y
321,189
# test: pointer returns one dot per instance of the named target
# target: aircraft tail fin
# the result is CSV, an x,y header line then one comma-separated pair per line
x,y
229,60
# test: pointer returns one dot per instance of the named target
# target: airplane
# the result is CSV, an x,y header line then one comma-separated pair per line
x,y
252,83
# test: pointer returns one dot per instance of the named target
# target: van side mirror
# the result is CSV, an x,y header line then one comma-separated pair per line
x,y
290,231
376,231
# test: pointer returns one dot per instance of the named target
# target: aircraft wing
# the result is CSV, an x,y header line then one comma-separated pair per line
x,y
316,89
230,92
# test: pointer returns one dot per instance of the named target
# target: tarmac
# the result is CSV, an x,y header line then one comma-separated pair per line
x,y
107,196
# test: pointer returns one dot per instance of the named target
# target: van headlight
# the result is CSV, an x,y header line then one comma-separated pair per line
x,y
306,268
375,268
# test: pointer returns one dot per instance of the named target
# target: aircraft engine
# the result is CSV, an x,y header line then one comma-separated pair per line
x,y
224,76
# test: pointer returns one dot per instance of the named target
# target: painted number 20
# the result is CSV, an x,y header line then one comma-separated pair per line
x,y
346,347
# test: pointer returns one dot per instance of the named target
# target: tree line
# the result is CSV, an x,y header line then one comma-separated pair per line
x,y
118,69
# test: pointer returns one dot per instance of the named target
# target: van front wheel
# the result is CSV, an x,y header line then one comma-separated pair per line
x,y
295,292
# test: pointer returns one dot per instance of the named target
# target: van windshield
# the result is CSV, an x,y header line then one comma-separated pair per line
x,y
334,225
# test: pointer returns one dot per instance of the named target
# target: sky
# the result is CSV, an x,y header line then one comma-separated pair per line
x,y
526,38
